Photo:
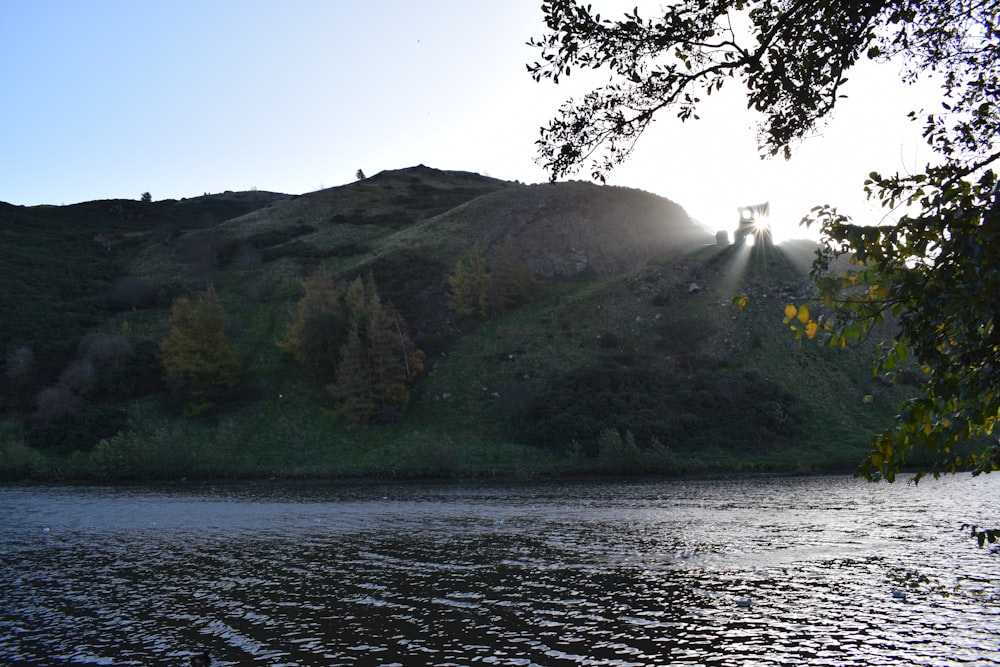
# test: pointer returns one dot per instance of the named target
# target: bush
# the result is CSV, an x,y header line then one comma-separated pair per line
x,y
80,430
116,458
687,412
430,456
18,461
618,453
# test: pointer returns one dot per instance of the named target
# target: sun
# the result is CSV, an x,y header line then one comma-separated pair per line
x,y
755,224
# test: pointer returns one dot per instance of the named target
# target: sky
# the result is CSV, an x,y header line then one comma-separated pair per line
x,y
113,98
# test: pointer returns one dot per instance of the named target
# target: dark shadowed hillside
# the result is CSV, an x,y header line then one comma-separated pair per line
x,y
627,355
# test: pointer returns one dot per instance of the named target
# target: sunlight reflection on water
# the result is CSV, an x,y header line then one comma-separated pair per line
x,y
732,572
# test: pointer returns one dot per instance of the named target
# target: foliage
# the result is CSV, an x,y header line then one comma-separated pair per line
x,y
512,282
57,275
934,272
686,412
618,452
935,275
377,360
792,61
17,460
318,327
489,289
116,458
196,354
490,388
469,284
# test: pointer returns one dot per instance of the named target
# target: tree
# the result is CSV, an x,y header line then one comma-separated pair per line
x,y
935,270
512,282
469,284
377,360
490,288
318,327
360,175
196,355
353,387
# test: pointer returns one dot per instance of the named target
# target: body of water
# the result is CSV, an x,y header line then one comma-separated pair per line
x,y
800,571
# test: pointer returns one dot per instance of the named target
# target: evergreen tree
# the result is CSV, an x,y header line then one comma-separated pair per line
x,y
377,360
196,355
494,288
353,388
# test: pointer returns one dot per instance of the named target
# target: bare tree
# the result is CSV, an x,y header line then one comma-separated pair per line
x,y
54,403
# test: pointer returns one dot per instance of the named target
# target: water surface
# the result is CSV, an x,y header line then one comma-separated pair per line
x,y
750,571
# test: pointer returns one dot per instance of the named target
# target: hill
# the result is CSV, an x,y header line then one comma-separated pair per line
x,y
630,358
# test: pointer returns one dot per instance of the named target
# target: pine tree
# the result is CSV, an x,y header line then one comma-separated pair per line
x,y
353,388
196,355
489,290
377,360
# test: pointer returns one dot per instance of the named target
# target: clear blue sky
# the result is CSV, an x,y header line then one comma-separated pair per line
x,y
113,98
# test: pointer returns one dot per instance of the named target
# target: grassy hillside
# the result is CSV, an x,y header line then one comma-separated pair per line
x,y
631,359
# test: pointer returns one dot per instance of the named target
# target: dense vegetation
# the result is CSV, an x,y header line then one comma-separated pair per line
x,y
415,323
932,266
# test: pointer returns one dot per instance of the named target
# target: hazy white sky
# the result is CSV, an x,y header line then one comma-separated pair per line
x,y
112,98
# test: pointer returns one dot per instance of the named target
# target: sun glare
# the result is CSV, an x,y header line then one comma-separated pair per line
x,y
755,224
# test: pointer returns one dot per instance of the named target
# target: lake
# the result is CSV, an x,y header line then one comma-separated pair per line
x,y
749,571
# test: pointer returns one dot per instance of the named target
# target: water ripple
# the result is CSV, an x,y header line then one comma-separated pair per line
x,y
734,572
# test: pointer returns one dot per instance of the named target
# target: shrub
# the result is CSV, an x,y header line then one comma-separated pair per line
x,y
19,461
618,453
689,411
78,377
55,403
102,350
430,456
115,458
132,292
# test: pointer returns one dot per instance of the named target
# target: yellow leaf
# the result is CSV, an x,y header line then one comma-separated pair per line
x,y
803,315
811,329
741,302
790,311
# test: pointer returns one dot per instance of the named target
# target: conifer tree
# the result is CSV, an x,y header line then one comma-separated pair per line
x,y
377,360
196,354
353,387
494,288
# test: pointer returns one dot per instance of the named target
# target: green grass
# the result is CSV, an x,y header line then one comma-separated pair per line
x,y
686,382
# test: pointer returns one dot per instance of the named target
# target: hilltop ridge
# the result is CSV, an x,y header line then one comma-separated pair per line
x,y
631,357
